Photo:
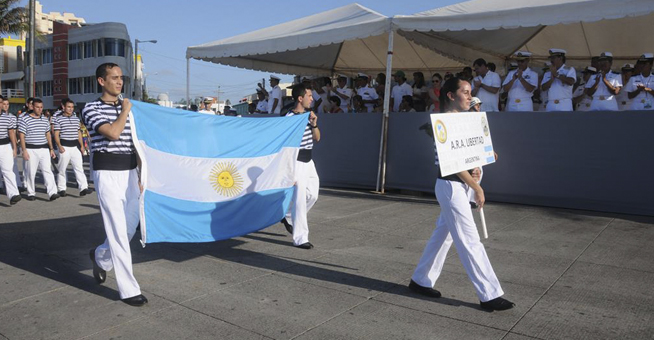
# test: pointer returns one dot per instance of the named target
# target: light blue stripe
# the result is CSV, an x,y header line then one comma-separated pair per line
x,y
173,220
490,159
195,134
488,148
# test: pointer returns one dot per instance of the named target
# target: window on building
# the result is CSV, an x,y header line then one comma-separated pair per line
x,y
38,86
89,51
74,52
47,56
114,47
47,88
74,86
98,43
38,57
89,84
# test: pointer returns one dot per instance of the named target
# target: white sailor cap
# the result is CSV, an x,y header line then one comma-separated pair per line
x,y
513,65
474,101
208,100
340,75
606,55
520,55
557,52
362,75
627,67
274,77
589,69
646,57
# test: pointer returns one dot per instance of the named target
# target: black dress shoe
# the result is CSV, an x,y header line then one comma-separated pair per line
x,y
136,301
31,198
54,197
497,304
62,193
287,225
84,192
15,199
426,291
22,189
306,245
99,274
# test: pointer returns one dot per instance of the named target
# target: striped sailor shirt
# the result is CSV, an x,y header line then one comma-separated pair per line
x,y
7,122
307,138
34,130
68,127
98,113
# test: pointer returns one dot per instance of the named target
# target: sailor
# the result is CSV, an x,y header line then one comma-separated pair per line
x,y
400,90
624,103
604,86
520,84
307,180
68,137
8,152
581,99
558,82
343,92
641,86
367,93
34,130
206,109
456,224
116,181
262,103
275,97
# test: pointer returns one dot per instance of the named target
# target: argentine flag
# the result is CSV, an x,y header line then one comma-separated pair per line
x,y
208,178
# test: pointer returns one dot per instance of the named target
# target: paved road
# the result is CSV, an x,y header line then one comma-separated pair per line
x,y
573,275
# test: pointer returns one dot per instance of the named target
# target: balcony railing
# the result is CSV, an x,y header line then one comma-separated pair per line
x,y
12,93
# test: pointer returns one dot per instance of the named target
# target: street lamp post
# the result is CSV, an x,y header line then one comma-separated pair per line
x,y
136,54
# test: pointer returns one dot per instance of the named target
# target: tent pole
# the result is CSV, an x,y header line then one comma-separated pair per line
x,y
188,80
381,169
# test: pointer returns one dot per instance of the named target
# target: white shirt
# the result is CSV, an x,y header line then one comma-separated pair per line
x,y
602,91
517,90
559,90
643,101
624,103
584,104
275,93
207,112
347,92
489,101
398,92
368,93
262,106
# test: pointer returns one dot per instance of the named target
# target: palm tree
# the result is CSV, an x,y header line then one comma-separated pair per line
x,y
13,18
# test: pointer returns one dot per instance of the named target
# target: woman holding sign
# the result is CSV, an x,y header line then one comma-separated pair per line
x,y
456,224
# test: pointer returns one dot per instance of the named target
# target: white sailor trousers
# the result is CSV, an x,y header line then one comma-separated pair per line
x,y
19,181
118,195
71,155
604,105
39,159
519,104
456,224
307,185
7,169
559,105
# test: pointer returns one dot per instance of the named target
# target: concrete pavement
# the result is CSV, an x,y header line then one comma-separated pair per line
x,y
572,274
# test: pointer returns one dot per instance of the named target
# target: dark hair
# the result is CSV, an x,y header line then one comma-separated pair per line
x,y
101,71
492,66
420,82
29,100
37,100
381,77
194,107
357,98
336,100
480,62
66,101
437,75
468,68
298,90
408,99
451,85
2,97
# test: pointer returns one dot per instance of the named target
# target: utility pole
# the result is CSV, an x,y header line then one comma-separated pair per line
x,y
30,83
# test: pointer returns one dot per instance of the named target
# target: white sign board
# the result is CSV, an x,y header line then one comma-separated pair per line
x,y
463,141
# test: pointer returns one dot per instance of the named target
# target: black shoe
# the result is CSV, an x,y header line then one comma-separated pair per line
x,y
15,199
136,301
31,198
287,225
85,192
306,245
62,193
54,197
99,274
429,292
22,189
497,304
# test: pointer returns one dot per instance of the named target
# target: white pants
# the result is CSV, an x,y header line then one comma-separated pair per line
x,y
562,105
456,224
519,104
7,169
71,155
118,195
39,159
307,186
604,105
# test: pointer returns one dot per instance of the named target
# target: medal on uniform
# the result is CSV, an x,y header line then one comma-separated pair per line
x,y
556,101
517,100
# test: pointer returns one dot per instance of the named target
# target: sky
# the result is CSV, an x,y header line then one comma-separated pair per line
x,y
182,23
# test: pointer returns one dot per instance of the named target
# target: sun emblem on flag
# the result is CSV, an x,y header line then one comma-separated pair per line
x,y
225,179
440,132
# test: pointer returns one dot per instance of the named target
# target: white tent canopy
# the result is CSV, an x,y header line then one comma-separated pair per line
x,y
495,29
